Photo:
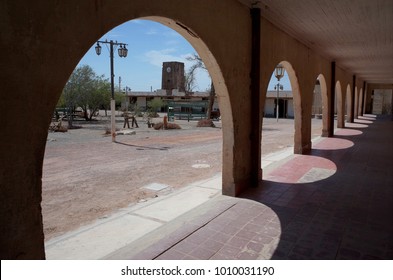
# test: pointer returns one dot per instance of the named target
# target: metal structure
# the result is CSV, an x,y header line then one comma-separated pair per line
x,y
279,73
187,109
122,51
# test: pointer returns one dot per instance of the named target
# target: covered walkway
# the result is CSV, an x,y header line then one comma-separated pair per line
x,y
345,45
336,203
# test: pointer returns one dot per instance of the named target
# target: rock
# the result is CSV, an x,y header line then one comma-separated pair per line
x,y
126,132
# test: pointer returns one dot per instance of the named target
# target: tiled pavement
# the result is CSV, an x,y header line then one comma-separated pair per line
x,y
336,203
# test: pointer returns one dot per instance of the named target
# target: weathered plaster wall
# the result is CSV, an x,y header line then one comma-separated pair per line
x,y
44,41
41,42
303,66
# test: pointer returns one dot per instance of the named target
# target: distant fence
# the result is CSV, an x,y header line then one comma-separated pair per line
x,y
187,109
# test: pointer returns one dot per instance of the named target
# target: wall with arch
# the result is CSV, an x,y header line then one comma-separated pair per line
x,y
44,41
303,66
48,41
340,101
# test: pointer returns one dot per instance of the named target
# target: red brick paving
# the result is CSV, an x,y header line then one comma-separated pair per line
x,y
346,216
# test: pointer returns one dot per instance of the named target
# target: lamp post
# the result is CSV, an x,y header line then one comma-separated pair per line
x,y
122,51
279,73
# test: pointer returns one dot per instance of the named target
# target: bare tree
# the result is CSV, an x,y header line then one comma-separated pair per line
x,y
198,64
189,81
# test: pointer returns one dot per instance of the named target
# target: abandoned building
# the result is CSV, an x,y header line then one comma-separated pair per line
x,y
346,45
172,89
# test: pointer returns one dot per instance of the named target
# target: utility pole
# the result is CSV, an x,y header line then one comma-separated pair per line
x,y
122,51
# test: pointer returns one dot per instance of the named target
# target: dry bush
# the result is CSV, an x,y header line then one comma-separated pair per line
x,y
173,126
160,125
62,129
75,127
205,123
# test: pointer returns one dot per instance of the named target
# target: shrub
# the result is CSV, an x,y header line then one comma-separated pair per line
x,y
160,125
173,126
205,123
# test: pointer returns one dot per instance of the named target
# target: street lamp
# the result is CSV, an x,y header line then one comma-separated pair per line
x,y
279,73
122,51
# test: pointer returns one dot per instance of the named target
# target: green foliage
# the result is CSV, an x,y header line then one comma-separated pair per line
x,y
155,104
119,99
61,103
86,90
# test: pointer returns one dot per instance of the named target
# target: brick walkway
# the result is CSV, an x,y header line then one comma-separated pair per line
x,y
336,203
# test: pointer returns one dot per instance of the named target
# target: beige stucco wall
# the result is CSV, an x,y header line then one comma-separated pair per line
x,y
382,101
303,67
43,41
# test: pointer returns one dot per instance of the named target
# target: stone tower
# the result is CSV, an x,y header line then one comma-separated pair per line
x,y
173,76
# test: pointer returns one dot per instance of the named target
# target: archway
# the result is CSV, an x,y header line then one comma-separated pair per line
x,y
211,65
319,108
297,107
348,104
288,122
222,94
278,119
339,105
69,32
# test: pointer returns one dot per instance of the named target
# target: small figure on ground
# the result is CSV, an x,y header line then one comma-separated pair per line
x,y
126,122
134,122
165,122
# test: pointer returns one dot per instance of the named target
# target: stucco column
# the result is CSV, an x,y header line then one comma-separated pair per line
x,y
332,100
368,101
364,98
351,116
256,171
22,151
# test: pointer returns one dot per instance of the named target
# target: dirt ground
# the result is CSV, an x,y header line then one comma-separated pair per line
x,y
87,177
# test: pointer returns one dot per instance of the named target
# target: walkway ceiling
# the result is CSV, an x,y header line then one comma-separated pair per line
x,y
358,35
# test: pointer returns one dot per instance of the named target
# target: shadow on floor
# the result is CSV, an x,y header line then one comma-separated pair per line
x,y
345,216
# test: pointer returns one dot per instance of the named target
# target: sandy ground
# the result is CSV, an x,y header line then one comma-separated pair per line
x,y
87,177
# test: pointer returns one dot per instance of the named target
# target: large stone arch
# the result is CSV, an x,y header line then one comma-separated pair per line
x,y
297,104
340,106
221,92
296,99
47,43
325,105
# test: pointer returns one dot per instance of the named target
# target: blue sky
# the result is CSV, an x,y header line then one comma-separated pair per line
x,y
149,45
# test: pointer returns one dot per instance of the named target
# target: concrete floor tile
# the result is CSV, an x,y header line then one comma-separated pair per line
x,y
238,242
229,251
171,255
185,247
99,241
248,255
221,237
202,253
178,204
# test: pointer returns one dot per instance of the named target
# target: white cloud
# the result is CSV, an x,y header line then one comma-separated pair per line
x,y
157,57
151,31
138,21
171,34
172,43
